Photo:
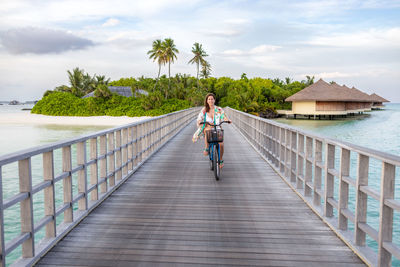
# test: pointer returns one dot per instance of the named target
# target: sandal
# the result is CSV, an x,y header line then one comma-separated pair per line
x,y
221,164
205,151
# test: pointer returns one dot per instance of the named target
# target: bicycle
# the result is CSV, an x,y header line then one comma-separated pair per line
x,y
214,137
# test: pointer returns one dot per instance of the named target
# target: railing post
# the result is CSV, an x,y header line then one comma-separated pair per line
x,y
308,171
130,149
2,241
26,207
343,187
282,150
135,146
118,155
288,153
386,213
103,164
293,157
329,178
111,158
124,152
94,195
82,181
300,162
361,199
317,172
67,183
49,194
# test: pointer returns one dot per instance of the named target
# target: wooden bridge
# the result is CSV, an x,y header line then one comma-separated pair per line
x,y
145,201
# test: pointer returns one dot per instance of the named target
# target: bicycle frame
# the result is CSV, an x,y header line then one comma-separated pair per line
x,y
214,153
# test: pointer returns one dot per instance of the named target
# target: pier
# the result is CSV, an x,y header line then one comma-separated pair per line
x,y
142,194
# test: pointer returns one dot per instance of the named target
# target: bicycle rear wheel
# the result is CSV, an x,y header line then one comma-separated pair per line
x,y
217,169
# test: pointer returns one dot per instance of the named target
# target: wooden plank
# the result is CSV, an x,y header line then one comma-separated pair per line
x,y
173,212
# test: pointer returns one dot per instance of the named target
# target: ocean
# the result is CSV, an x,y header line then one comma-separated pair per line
x,y
378,130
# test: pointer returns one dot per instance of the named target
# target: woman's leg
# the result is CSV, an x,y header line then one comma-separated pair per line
x,y
221,154
205,151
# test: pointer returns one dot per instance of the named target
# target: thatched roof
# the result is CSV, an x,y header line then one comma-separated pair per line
x,y
360,94
323,91
376,98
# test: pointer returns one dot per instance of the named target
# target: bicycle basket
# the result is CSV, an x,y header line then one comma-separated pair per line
x,y
215,135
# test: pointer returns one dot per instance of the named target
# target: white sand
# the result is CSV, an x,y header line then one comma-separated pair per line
x,y
28,118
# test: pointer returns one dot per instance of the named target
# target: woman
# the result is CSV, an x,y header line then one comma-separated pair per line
x,y
214,115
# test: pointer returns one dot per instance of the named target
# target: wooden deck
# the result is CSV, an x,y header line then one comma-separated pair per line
x,y
172,212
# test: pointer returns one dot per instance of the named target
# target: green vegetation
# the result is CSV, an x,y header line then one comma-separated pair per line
x,y
165,95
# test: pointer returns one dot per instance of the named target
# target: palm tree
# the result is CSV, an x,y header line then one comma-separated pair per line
x,y
76,78
199,55
170,52
205,69
157,53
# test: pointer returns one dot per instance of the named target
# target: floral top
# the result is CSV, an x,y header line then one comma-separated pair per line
x,y
219,116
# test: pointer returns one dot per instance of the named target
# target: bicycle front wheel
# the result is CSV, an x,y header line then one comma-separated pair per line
x,y
216,162
210,155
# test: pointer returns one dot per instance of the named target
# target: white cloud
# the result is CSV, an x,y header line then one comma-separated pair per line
x,y
258,50
368,38
111,22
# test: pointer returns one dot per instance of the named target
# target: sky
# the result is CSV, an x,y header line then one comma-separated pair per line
x,y
353,42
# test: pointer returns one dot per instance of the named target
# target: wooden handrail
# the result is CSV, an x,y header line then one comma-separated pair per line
x,y
116,153
306,161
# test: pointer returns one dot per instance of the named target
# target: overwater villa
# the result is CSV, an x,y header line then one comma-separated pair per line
x,y
331,100
377,101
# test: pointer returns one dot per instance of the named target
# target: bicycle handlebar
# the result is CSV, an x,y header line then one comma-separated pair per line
x,y
214,125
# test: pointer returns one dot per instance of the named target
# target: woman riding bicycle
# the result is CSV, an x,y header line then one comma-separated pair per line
x,y
214,115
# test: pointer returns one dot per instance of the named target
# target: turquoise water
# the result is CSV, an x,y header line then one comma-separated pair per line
x,y
19,136
378,130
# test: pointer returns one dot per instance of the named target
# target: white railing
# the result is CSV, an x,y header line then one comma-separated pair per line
x,y
318,169
104,160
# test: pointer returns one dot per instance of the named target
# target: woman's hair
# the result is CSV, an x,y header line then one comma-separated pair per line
x,y
205,101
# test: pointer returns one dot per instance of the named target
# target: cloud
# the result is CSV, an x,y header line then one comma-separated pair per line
x,y
258,50
41,41
368,38
111,22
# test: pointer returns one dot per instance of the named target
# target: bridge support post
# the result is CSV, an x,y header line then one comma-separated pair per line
x,y
82,181
329,178
343,188
67,183
300,162
94,195
293,155
130,149
308,171
317,172
361,199
2,241
103,164
124,152
26,207
111,158
49,194
386,213
118,158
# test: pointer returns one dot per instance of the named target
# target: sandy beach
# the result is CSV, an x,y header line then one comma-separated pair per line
x,y
28,118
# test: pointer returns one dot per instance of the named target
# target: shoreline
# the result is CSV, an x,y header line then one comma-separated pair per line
x,y
28,118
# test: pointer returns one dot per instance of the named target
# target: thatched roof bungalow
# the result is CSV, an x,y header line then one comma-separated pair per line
x,y
377,101
322,98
